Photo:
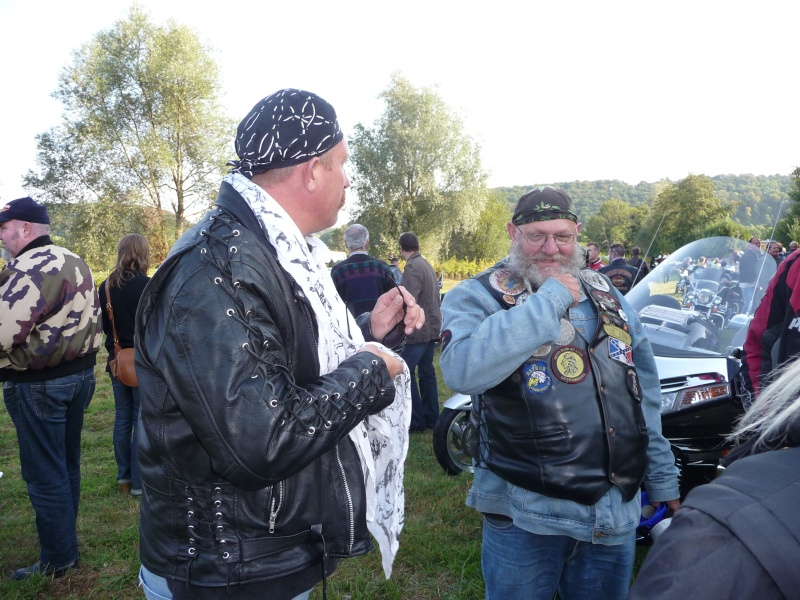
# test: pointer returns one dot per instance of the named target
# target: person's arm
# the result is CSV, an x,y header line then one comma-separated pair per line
x,y
223,361
661,479
21,307
482,343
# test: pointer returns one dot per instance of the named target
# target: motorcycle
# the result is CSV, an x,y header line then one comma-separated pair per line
x,y
715,293
697,357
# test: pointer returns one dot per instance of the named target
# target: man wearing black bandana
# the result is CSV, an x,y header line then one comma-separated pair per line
x,y
258,388
566,407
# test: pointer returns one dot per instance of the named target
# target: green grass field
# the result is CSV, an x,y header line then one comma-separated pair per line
x,y
439,553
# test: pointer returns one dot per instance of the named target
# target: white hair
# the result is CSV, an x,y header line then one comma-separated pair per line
x,y
356,236
776,406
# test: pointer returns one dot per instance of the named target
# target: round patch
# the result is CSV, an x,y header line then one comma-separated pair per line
x,y
610,318
543,350
567,333
619,333
509,299
595,280
506,282
606,301
445,337
622,315
632,379
522,297
537,379
569,364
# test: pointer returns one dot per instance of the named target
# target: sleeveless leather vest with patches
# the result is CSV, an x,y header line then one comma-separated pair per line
x,y
579,428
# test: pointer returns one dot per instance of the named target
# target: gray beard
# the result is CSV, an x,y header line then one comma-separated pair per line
x,y
6,255
527,267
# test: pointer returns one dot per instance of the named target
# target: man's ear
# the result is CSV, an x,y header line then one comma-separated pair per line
x,y
512,230
311,173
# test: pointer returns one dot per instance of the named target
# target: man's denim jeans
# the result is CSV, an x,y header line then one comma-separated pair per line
x,y
48,416
425,398
126,401
518,565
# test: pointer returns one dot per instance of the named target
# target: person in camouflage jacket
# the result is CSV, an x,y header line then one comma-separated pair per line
x,y
50,333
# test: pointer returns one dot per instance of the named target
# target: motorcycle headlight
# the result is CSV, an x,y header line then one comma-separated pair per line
x,y
704,297
672,401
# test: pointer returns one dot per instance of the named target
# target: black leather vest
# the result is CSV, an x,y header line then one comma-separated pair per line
x,y
579,428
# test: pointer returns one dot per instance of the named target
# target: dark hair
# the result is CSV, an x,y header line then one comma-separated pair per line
x,y
636,251
133,256
618,249
409,242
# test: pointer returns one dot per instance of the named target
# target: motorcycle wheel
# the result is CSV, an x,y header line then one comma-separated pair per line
x,y
451,434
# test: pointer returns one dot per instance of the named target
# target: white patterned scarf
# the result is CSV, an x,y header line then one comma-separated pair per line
x,y
381,439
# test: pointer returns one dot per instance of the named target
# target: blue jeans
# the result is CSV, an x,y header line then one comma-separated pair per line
x,y
425,398
126,443
518,565
48,416
156,587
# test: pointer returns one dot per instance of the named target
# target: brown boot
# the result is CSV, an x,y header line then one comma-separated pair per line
x,y
125,487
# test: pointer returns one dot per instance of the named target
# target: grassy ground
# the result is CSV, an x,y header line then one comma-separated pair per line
x,y
439,555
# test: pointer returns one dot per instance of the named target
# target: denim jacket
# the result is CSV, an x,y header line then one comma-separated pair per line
x,y
483,344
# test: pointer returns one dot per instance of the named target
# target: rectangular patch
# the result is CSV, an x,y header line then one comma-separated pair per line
x,y
620,351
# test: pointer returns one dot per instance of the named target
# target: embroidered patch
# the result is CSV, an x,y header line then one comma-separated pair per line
x,y
445,338
633,384
537,379
506,282
620,351
522,297
622,315
543,350
595,280
508,299
609,318
606,301
569,364
619,333
567,333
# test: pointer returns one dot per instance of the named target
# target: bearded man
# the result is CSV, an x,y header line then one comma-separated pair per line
x,y
566,405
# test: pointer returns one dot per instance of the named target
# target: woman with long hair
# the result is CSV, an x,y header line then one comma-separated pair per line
x,y
124,287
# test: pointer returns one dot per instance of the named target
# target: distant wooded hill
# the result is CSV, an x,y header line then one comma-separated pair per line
x,y
758,196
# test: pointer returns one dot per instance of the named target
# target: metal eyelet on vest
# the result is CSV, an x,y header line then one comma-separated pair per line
x,y
192,528
217,503
223,542
336,395
217,490
191,540
203,232
230,312
309,399
383,391
236,284
192,551
203,250
226,555
191,514
245,346
220,528
324,397
364,371
233,250
358,407
327,424
236,232
273,403
374,362
218,515
190,499
351,385
312,430
217,280
372,399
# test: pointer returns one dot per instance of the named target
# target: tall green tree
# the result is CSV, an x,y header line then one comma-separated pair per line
x,y
416,170
788,227
616,222
489,240
141,126
682,212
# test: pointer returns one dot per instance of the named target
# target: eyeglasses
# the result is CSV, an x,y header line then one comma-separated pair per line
x,y
540,239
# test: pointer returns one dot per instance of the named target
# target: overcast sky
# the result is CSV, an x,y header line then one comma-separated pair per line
x,y
637,91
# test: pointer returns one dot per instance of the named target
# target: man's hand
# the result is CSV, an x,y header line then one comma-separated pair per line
x,y
571,283
674,505
389,310
395,365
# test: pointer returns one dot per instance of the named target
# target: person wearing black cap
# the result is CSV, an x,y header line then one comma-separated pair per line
x,y
49,337
269,426
566,409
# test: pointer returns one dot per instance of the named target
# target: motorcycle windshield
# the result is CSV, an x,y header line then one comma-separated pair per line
x,y
688,308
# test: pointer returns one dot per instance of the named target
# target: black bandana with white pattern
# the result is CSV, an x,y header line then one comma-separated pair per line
x,y
285,129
